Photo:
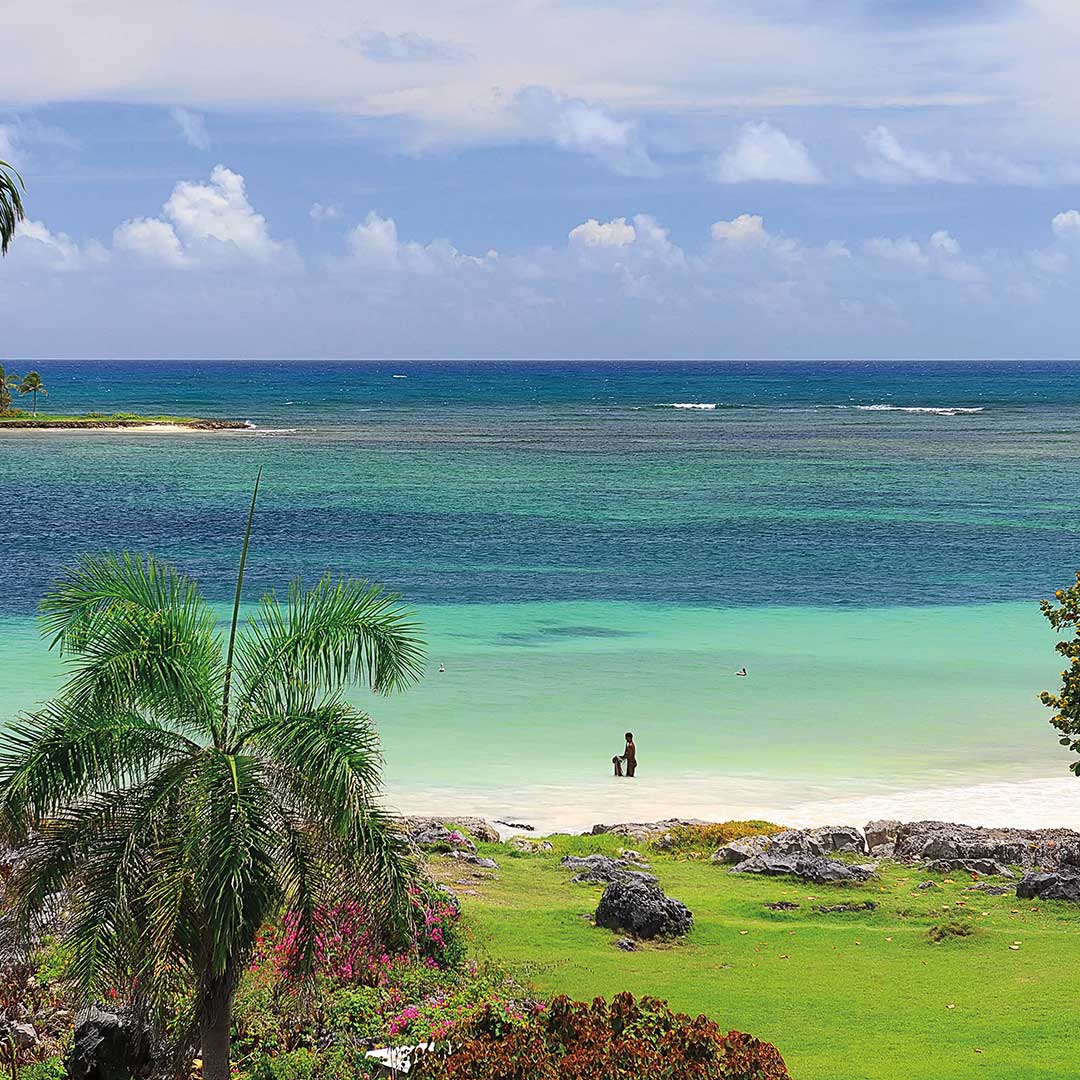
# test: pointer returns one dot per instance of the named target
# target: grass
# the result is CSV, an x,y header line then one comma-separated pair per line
x,y
845,996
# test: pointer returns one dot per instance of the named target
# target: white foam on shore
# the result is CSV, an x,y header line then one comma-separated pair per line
x,y
1031,803
706,405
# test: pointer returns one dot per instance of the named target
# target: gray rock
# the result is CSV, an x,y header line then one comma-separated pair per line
x,y
642,832
1060,885
783,905
1029,848
986,867
532,847
109,1046
643,910
603,869
927,885
811,867
473,859
626,944
477,827
440,838
881,837
21,1035
824,841
990,890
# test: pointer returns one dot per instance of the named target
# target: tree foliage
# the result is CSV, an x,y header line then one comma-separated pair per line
x,y
1065,616
186,785
8,381
31,384
625,1039
11,207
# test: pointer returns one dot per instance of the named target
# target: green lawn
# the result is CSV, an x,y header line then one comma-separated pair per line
x,y
844,996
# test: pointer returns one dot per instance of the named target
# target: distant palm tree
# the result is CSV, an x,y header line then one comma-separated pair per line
x,y
32,384
11,207
185,786
8,382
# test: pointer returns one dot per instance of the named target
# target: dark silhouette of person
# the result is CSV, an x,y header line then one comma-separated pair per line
x,y
741,671
629,754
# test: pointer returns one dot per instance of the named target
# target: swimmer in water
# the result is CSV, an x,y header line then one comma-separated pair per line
x,y
442,668
741,671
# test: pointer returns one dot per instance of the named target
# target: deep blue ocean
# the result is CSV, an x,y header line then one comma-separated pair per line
x,y
803,483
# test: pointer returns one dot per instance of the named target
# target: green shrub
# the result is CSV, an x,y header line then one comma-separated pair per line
x,y
334,1063
692,840
50,1069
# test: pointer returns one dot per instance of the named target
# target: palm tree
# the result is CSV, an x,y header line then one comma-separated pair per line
x,y
186,785
8,382
11,207
32,384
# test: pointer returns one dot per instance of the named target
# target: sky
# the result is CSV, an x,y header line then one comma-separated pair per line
x,y
543,178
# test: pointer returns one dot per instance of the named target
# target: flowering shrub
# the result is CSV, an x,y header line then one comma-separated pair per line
x,y
623,1040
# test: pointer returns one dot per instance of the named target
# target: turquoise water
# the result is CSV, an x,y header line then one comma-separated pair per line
x,y
588,558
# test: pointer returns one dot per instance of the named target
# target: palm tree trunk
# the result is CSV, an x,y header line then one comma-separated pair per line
x,y
35,403
217,1031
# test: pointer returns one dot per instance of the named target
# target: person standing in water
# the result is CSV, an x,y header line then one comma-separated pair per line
x,y
629,754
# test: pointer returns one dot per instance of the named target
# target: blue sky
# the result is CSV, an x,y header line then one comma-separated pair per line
x,y
776,178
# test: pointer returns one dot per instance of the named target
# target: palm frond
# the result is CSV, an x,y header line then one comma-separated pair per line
x,y
323,638
11,206
135,630
240,884
53,759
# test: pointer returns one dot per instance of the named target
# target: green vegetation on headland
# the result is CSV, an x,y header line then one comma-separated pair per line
x,y
19,419
31,383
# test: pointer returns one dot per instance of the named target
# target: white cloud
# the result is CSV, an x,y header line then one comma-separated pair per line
x,y
939,258
902,250
192,126
592,233
943,241
577,125
655,241
320,213
204,224
763,152
374,244
893,163
151,239
37,244
745,231
1066,225
219,213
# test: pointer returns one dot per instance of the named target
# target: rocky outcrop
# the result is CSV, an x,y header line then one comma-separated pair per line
x,y
983,867
109,1046
641,909
642,832
827,840
476,827
880,838
814,868
530,846
944,842
603,869
1052,885
473,859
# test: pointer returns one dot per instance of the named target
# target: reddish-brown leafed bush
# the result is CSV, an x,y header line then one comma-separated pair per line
x,y
623,1040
